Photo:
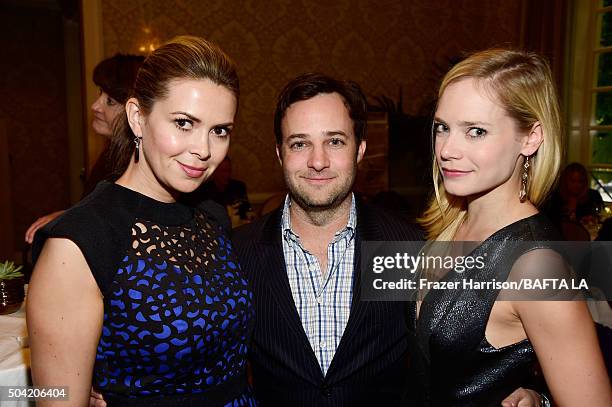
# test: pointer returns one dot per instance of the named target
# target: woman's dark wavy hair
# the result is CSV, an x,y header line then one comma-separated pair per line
x,y
116,75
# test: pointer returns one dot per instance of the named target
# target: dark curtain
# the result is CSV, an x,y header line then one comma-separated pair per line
x,y
544,31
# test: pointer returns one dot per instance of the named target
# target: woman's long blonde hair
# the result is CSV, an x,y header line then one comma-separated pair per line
x,y
522,83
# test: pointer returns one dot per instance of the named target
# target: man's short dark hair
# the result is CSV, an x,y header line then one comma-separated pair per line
x,y
309,85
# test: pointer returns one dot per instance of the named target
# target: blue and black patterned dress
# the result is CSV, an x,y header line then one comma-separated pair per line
x,y
177,306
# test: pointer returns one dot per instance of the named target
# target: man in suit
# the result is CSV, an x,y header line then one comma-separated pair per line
x,y
315,343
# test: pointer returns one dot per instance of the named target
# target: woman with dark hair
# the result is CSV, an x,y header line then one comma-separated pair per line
x,y
574,201
114,77
148,301
497,150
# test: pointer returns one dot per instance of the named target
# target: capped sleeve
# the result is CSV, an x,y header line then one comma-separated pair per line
x,y
97,228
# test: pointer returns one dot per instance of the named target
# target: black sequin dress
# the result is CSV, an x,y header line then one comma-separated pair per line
x,y
177,306
455,363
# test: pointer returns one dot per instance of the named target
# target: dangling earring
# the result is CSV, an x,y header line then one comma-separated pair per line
x,y
137,149
524,180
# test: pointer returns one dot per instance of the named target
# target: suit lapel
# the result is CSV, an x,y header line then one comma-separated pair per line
x,y
272,257
366,230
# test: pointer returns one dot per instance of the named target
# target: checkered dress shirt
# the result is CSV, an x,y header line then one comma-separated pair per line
x,y
323,300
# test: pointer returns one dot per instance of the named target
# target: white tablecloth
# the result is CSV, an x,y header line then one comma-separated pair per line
x,y
14,354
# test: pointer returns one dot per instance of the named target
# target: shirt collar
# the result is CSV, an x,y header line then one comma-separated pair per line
x,y
348,229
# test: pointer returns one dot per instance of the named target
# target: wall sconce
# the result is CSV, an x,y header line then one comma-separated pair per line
x,y
149,44
147,48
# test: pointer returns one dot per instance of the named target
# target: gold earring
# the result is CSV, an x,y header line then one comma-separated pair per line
x,y
524,180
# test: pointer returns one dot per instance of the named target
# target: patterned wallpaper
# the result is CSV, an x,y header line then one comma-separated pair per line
x,y
383,44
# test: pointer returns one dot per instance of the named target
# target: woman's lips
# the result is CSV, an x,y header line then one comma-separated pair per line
x,y
454,173
192,172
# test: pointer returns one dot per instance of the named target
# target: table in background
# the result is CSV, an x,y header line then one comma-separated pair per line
x,y
14,358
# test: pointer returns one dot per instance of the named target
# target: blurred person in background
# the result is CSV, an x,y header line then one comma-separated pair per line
x,y
573,200
114,77
227,192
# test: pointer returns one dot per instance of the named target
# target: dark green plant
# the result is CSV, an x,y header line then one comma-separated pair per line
x,y
8,271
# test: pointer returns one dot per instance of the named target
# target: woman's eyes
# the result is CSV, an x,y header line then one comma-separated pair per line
x,y
183,124
221,131
472,132
110,101
476,132
440,128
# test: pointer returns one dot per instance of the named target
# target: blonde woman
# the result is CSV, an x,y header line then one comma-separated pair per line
x,y
497,138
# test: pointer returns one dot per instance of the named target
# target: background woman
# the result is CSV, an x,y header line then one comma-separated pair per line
x,y
114,77
497,137
574,200
148,302
574,206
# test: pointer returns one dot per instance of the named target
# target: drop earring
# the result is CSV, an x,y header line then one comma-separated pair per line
x,y
137,140
524,180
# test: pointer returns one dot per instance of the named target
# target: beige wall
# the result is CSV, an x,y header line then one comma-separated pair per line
x,y
383,44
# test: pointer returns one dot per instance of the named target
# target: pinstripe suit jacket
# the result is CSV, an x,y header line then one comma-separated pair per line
x,y
370,366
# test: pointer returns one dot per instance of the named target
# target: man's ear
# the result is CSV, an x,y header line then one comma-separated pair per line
x,y
361,151
278,154
534,139
134,116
